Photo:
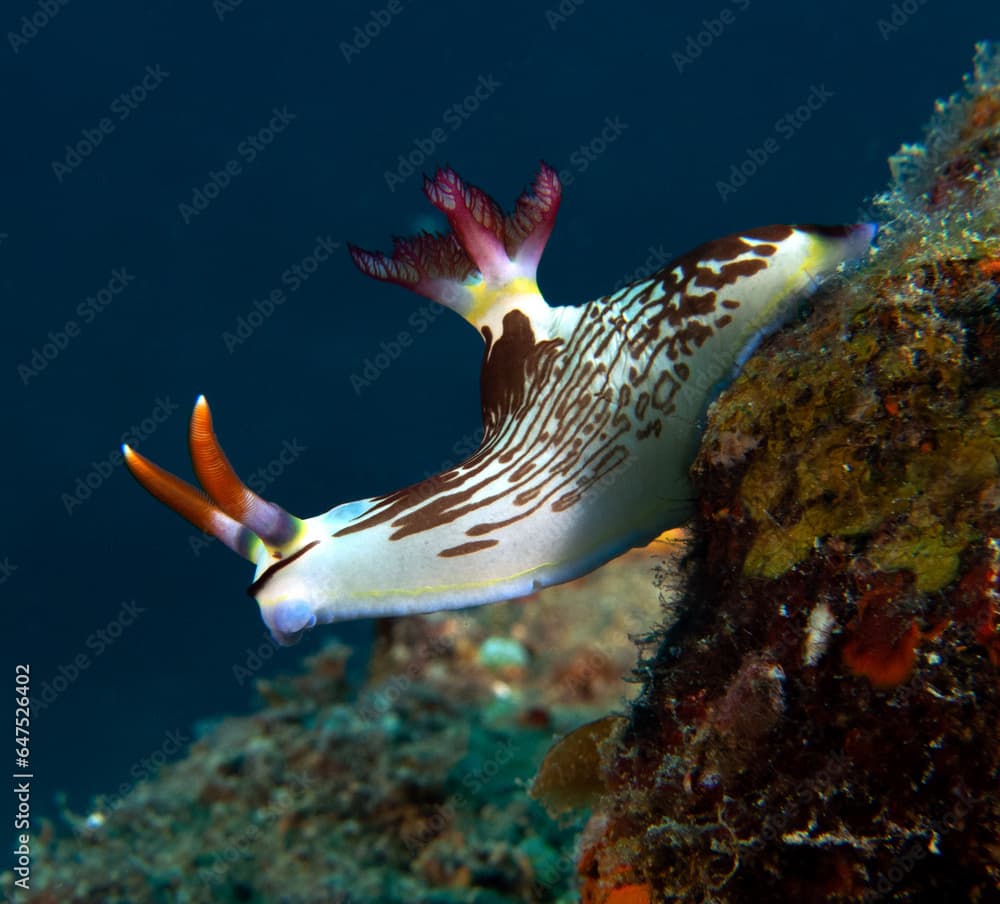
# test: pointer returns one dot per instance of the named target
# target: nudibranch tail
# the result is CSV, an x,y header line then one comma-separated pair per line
x,y
227,509
488,262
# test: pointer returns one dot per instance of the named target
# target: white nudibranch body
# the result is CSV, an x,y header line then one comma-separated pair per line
x,y
591,416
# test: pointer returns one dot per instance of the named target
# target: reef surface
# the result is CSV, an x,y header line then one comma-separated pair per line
x,y
821,724
412,788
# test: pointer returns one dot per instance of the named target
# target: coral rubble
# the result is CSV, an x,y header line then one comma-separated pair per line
x,y
824,722
412,790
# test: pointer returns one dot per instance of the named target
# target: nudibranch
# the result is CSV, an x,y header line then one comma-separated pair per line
x,y
591,417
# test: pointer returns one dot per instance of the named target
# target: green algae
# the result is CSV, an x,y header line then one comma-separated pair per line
x,y
906,469
869,426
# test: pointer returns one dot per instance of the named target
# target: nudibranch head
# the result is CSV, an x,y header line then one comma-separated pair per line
x,y
225,508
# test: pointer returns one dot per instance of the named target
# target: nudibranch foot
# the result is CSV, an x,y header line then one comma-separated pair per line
x,y
592,416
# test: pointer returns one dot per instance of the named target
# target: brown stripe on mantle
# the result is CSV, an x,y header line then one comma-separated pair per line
x,y
466,548
253,589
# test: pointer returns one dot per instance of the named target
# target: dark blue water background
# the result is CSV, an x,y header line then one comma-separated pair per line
x,y
598,90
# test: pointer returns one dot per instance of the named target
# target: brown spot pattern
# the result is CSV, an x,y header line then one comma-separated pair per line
x,y
466,548
555,421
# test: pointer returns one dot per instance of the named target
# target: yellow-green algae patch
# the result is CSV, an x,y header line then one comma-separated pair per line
x,y
867,426
869,422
